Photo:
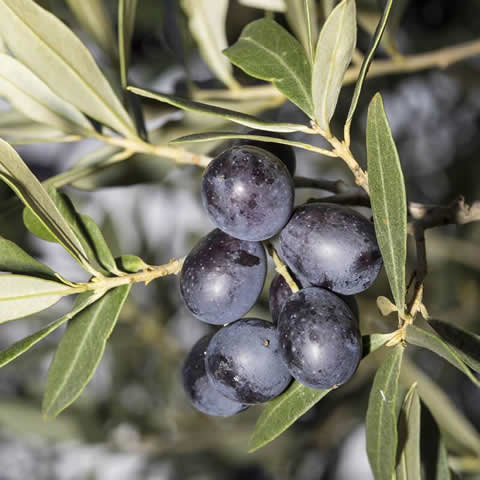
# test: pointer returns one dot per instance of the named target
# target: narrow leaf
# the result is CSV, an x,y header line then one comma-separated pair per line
x,y
21,295
131,263
236,117
367,62
431,341
381,417
207,26
466,344
451,421
298,20
17,175
22,346
265,50
51,51
94,18
335,47
388,198
127,10
81,350
28,94
271,5
281,413
15,260
409,467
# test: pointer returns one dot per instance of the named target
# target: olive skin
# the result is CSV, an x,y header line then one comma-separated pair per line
x,y
248,193
280,291
222,277
198,387
331,246
284,152
319,338
243,362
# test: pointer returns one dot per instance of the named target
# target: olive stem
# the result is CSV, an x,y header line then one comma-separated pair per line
x,y
281,268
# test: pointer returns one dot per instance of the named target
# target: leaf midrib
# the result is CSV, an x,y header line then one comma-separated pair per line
x,y
69,66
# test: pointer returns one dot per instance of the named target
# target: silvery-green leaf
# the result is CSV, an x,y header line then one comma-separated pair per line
x,y
466,344
17,175
280,413
297,18
271,5
94,18
127,10
81,350
381,418
51,51
21,295
13,259
131,263
453,424
236,117
388,198
19,348
28,94
431,341
265,50
377,36
207,26
335,47
409,467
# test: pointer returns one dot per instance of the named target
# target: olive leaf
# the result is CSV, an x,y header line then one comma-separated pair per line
x,y
280,413
271,5
388,198
131,263
16,174
15,260
409,467
53,53
19,348
381,418
335,47
81,350
265,50
127,10
94,18
298,18
236,117
28,94
207,26
466,344
22,295
431,341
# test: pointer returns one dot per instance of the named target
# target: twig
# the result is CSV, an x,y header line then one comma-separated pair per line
x,y
281,268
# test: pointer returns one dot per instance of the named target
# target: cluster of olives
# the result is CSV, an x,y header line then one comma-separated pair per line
x,y
248,192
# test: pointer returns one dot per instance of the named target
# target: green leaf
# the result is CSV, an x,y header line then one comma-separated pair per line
x,y
335,47
381,417
442,470
270,5
265,50
409,467
466,344
281,413
86,230
298,20
81,350
388,198
127,10
15,260
21,295
451,421
367,62
51,51
28,94
207,26
131,263
21,180
236,117
22,346
431,341
94,18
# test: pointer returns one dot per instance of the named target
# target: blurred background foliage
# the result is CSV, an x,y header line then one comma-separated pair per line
x,y
133,420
